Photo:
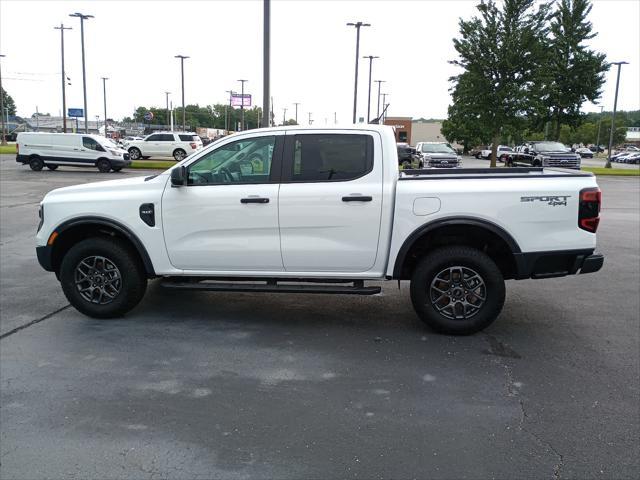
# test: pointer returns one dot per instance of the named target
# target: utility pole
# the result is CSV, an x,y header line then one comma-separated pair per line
x,y
228,112
104,92
310,121
370,57
166,97
184,113
599,125
335,118
379,82
242,105
62,28
613,117
296,104
357,26
284,116
384,113
82,18
266,65
4,126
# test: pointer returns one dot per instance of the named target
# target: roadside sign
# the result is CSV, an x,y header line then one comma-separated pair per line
x,y
75,112
148,116
238,100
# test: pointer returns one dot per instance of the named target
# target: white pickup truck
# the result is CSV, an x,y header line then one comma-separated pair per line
x,y
320,210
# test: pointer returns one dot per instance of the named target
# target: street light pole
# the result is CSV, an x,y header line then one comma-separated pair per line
x,y
310,121
82,18
370,57
166,97
242,105
62,28
357,26
284,116
296,104
379,82
104,92
4,127
266,63
599,125
613,117
184,113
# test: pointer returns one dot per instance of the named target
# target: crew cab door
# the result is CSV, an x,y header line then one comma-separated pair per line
x,y
226,217
331,201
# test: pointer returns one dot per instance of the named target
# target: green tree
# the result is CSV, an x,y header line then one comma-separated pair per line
x,y
572,74
8,102
501,53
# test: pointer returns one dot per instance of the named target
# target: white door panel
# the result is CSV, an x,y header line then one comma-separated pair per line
x,y
208,228
319,230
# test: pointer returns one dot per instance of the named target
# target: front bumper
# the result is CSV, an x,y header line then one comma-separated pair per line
x,y
556,264
45,257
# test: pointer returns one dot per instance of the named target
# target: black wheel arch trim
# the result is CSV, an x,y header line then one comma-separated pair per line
x,y
120,228
444,222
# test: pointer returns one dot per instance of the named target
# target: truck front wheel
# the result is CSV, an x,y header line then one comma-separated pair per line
x,y
102,278
457,290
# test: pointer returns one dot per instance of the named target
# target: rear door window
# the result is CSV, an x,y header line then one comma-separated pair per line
x,y
166,137
330,157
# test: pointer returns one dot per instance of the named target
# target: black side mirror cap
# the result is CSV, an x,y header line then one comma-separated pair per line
x,y
179,176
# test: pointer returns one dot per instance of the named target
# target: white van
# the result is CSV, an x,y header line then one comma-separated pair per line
x,y
74,149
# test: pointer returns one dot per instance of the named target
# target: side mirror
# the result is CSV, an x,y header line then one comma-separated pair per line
x,y
178,176
526,150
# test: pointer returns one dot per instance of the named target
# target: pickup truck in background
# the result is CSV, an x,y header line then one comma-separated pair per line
x,y
502,153
544,154
320,210
437,155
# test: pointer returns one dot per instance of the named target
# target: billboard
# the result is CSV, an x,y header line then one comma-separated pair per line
x,y
75,112
237,100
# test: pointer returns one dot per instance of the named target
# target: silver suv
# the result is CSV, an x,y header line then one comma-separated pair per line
x,y
164,144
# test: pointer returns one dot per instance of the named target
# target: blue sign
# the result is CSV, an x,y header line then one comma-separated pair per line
x,y
148,116
75,112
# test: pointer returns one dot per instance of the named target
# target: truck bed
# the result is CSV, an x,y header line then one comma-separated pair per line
x,y
501,172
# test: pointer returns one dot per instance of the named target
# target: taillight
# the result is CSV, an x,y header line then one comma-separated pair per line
x,y
17,148
589,209
193,145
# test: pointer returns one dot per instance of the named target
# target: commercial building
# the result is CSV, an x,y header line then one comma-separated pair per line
x,y
402,127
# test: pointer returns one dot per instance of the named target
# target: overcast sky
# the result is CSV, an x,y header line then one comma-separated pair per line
x,y
312,53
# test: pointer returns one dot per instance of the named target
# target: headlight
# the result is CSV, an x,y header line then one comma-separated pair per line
x,y
114,152
545,161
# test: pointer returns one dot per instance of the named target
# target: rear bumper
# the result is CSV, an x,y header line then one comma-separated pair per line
x,y
557,263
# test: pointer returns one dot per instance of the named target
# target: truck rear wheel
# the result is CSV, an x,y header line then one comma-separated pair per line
x,y
457,290
102,278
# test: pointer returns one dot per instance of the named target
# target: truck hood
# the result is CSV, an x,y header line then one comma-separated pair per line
x,y
104,190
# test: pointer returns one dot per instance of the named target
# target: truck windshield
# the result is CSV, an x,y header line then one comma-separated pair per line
x,y
550,147
437,148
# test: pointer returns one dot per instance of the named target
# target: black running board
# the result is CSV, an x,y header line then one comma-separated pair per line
x,y
271,286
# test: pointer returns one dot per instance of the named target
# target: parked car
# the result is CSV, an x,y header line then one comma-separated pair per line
x,y
584,152
165,144
598,149
406,155
39,150
502,153
476,151
437,155
205,141
626,157
125,140
319,210
544,154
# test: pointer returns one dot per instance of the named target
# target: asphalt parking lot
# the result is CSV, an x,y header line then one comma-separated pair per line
x,y
200,385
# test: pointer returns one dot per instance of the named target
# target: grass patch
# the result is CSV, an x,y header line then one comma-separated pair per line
x,y
152,164
11,148
626,172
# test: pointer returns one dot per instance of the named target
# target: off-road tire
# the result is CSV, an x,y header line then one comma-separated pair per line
x,y
133,279
425,277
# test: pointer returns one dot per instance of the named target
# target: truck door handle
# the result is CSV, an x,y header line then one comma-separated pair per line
x,y
254,200
357,198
